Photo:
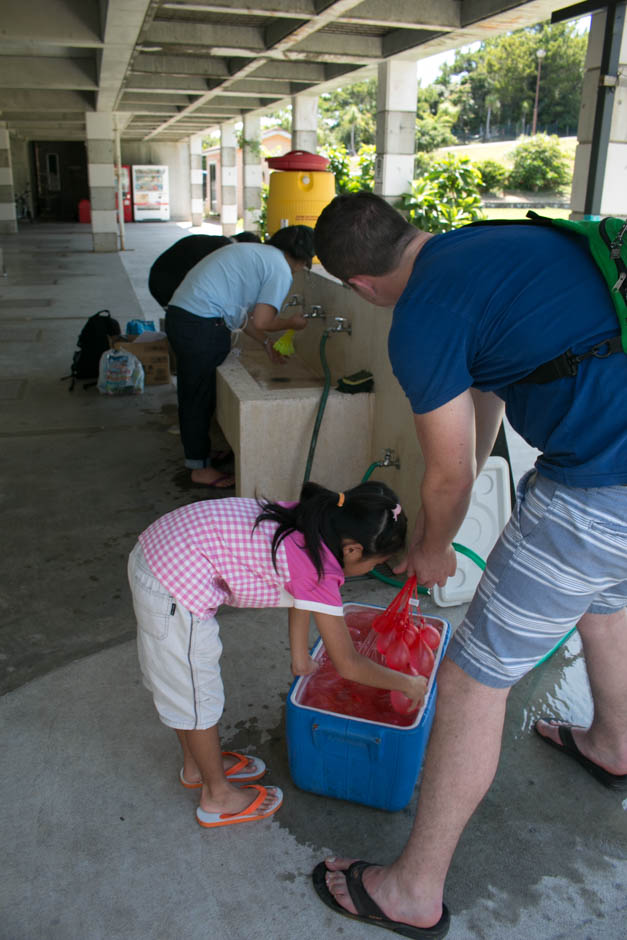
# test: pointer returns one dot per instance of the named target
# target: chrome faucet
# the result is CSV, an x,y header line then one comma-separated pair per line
x,y
342,325
316,313
389,459
295,301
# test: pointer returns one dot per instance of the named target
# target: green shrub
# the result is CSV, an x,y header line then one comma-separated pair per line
x,y
366,157
539,165
263,213
445,197
493,176
343,168
422,163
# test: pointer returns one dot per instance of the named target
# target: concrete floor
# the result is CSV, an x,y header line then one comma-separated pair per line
x,y
99,840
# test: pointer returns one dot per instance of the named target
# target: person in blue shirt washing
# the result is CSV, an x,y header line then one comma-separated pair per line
x,y
476,312
237,287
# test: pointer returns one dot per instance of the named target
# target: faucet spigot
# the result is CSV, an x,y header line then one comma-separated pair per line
x,y
316,313
389,459
342,325
295,301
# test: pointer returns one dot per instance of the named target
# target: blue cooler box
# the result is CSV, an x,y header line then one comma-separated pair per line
x,y
354,759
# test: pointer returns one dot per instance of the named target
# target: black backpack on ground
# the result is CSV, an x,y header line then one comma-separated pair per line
x,y
93,340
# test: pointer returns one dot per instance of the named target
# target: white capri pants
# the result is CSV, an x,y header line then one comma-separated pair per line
x,y
179,652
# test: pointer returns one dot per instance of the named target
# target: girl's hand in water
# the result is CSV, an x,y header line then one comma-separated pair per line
x,y
415,691
304,668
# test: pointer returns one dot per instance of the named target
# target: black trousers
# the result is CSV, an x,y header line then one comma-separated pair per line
x,y
200,344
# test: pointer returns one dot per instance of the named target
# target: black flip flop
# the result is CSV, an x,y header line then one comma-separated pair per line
x,y
369,911
569,747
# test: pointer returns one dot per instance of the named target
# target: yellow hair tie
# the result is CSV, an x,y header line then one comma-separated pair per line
x,y
340,501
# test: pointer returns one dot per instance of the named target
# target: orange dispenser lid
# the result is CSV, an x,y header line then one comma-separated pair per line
x,y
298,160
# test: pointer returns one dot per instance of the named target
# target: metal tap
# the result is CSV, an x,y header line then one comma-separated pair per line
x,y
390,459
342,325
295,301
316,313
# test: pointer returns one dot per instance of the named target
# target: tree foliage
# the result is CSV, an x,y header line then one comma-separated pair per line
x,y
497,81
348,116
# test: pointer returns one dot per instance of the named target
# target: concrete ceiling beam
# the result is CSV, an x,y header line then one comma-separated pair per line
x,y
124,23
180,65
35,72
18,99
62,22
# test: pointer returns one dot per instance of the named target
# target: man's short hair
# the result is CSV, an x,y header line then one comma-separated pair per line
x,y
361,233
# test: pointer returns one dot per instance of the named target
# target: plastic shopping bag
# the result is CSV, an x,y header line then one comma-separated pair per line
x,y
120,373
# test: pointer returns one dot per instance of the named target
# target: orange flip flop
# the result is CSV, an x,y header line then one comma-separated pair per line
x,y
246,769
252,813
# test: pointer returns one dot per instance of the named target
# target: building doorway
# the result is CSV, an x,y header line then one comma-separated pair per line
x,y
60,179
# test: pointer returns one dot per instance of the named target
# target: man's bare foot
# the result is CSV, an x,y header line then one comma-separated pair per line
x,y
380,883
209,476
582,739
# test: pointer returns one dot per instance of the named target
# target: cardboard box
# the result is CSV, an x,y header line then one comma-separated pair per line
x,y
369,762
154,355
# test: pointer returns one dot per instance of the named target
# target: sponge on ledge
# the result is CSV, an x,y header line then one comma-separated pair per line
x,y
284,344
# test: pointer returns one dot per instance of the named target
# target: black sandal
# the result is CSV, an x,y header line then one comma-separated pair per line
x,y
368,911
569,747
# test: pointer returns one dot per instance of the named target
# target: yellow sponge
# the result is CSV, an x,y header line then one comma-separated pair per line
x,y
284,344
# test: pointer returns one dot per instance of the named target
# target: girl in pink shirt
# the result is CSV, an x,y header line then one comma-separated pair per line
x,y
242,553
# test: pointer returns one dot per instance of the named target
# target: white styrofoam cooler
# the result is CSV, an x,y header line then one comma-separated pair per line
x,y
489,510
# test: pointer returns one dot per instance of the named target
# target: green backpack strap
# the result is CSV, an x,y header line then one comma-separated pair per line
x,y
607,243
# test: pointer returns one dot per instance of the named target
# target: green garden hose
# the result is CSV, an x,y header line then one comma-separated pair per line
x,y
321,407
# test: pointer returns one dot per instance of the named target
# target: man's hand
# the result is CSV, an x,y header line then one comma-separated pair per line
x,y
431,567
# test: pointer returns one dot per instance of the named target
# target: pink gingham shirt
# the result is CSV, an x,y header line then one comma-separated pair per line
x,y
206,554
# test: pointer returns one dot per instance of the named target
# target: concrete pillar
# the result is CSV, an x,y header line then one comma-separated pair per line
x,y
228,180
100,170
252,172
8,218
305,123
397,91
599,186
195,155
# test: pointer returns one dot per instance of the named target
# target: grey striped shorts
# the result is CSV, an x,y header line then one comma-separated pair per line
x,y
562,554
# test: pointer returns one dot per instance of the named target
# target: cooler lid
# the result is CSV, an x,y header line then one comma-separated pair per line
x,y
298,160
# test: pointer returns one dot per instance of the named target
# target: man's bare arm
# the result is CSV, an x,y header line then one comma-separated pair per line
x,y
447,439
489,410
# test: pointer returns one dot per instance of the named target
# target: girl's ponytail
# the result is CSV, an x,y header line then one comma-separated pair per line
x,y
369,514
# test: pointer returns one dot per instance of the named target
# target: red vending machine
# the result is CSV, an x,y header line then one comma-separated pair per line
x,y
127,195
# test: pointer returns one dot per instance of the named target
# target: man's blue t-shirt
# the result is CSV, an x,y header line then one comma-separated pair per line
x,y
485,306
229,282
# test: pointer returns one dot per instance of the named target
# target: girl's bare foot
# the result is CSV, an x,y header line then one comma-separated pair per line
x,y
233,800
209,476
191,774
